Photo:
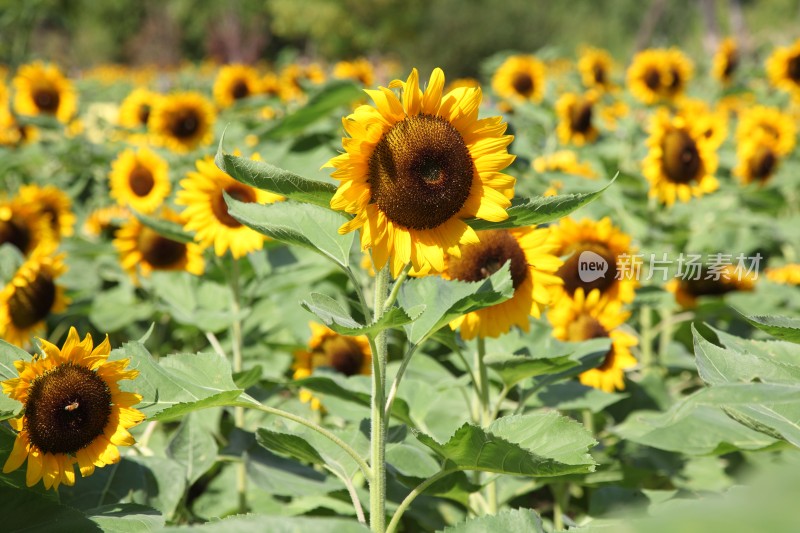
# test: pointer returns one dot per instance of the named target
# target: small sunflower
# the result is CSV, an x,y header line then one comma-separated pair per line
x,y
30,296
758,159
295,77
575,118
778,126
206,212
533,268
712,124
43,89
52,204
136,108
74,411
235,82
105,221
681,161
598,241
785,275
271,84
520,78
565,161
725,61
595,66
359,70
687,291
349,356
24,227
783,68
415,168
659,74
183,121
139,179
678,68
590,317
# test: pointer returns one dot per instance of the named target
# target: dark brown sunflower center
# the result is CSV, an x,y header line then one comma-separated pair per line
x,y
185,123
50,213
793,69
681,161
240,90
676,83
143,114
67,408
14,233
652,78
479,261
160,251
343,354
220,208
586,327
522,83
599,74
32,302
763,163
141,180
580,117
731,63
420,172
46,99
706,287
577,268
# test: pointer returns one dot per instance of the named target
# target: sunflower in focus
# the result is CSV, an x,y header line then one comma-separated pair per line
x,y
758,159
414,169
182,121
206,212
349,356
520,78
783,68
74,411
52,204
533,268
43,90
359,70
139,179
575,118
22,226
105,221
728,278
564,161
785,275
775,125
135,109
235,82
725,61
681,161
30,297
590,317
595,66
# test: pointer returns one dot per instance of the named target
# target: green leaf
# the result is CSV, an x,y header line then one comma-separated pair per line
x,y
248,378
275,524
26,510
507,521
166,228
301,224
8,354
193,300
444,300
782,327
336,317
118,307
193,447
515,368
571,395
289,445
126,518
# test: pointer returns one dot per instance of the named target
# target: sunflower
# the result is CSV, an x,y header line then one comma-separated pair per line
x,y
758,159
713,124
678,68
783,68
595,67
659,74
414,169
105,221
22,226
30,296
778,126
681,161
785,275
564,161
533,265
520,78
74,411
136,108
294,77
590,317
575,118
595,241
43,89
235,82
182,121
271,84
359,70
52,204
139,179
725,61
349,356
729,279
206,212
467,83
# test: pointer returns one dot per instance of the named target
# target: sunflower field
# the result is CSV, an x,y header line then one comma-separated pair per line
x,y
357,295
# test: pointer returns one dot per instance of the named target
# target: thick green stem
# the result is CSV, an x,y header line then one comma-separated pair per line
x,y
377,490
419,489
238,412
560,503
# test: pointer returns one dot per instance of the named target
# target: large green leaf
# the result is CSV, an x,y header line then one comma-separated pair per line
x,y
193,447
165,228
782,327
25,510
515,368
507,521
336,317
194,301
126,518
275,524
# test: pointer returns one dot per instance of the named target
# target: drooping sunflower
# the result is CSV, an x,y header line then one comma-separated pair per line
x,y
415,168
565,161
785,275
589,241
520,78
590,317
43,89
681,161
235,82
30,296
595,66
783,68
726,60
688,290
136,108
776,125
758,159
207,214
22,226
52,204
533,268
182,121
143,250
575,114
327,349
139,179
359,70
105,221
74,411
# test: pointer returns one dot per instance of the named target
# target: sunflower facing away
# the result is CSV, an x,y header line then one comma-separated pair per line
x,y
415,168
135,109
575,118
595,67
30,296
207,214
235,82
22,226
520,78
43,89
681,161
74,411
533,268
139,179
725,61
688,290
590,317
182,121
783,68
52,204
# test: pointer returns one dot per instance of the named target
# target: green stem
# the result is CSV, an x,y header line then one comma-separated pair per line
x,y
482,388
360,294
646,324
419,489
396,288
665,336
377,492
351,490
560,503
396,382
588,420
238,412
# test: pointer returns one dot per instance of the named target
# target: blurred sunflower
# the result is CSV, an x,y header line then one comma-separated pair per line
x,y
712,124
235,82
758,159
466,83
565,161
359,70
678,68
270,84
575,118
785,275
136,108
725,61
22,226
520,78
414,169
139,179
783,68
609,244
74,411
43,89
30,296
659,74
533,268
52,204
687,291
206,212
143,250
182,121
295,77
595,66
681,161
105,221
778,126
590,317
